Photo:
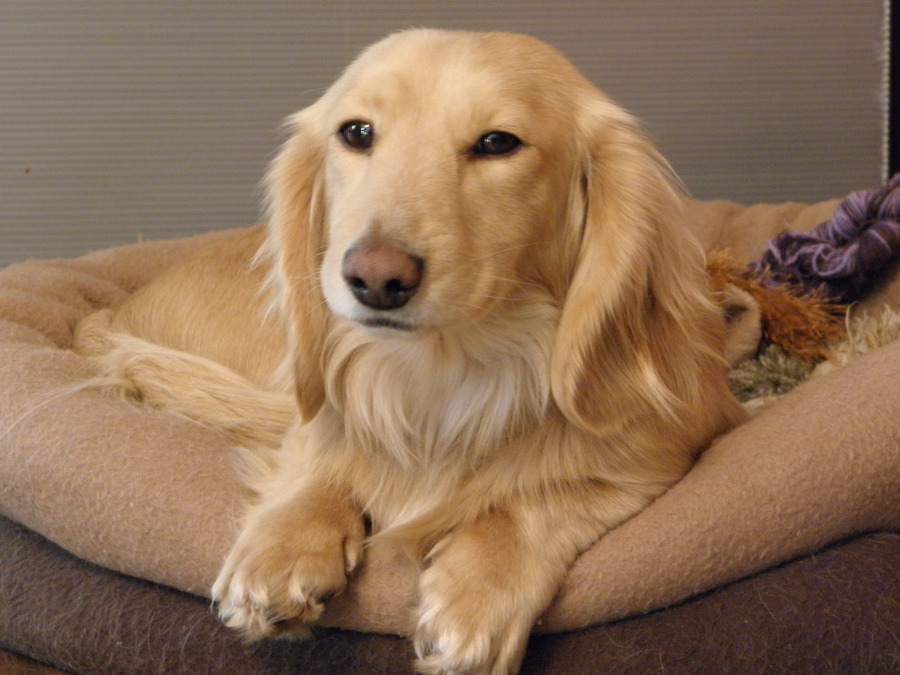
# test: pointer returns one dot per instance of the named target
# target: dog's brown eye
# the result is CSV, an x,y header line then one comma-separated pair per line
x,y
496,143
358,135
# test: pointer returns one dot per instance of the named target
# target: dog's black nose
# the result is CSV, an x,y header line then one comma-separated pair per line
x,y
382,277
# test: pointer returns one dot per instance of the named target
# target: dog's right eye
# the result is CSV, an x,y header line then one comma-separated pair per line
x,y
357,134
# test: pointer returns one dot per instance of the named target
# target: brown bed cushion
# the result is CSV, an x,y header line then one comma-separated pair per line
x,y
832,613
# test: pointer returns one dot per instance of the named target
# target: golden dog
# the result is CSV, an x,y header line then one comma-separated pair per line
x,y
470,320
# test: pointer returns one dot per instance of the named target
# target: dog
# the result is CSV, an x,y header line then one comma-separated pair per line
x,y
471,326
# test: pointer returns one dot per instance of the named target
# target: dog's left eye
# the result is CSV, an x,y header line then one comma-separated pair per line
x,y
496,143
357,134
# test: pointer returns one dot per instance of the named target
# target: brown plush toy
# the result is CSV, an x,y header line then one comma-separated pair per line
x,y
802,323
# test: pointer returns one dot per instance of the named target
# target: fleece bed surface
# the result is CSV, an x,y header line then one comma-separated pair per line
x,y
155,497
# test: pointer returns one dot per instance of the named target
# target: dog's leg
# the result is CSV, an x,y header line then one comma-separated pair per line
x,y
295,551
487,583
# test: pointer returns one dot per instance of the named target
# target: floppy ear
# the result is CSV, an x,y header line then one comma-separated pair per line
x,y
295,245
637,330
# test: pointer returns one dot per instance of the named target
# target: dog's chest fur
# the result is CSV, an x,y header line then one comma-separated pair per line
x,y
426,412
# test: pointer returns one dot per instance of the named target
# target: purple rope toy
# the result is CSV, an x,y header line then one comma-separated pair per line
x,y
843,256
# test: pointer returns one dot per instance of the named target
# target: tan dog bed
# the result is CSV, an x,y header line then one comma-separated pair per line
x,y
154,496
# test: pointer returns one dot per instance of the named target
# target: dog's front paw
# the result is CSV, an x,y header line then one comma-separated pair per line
x,y
467,626
277,583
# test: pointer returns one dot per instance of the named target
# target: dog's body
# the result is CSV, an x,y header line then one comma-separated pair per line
x,y
470,318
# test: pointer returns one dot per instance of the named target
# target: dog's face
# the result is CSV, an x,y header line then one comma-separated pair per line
x,y
448,170
446,176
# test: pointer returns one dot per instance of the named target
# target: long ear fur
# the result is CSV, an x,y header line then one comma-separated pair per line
x,y
637,334
295,246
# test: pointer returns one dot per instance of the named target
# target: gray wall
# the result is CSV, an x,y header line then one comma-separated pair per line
x,y
122,120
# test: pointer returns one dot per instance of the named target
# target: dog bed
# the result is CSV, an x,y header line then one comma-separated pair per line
x,y
117,519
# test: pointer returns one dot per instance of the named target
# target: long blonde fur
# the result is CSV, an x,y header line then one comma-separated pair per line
x,y
559,367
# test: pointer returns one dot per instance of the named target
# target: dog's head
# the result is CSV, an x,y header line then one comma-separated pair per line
x,y
444,173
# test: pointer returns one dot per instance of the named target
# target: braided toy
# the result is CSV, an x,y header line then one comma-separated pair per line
x,y
846,254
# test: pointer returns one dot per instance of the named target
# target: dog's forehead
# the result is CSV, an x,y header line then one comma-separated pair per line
x,y
434,68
